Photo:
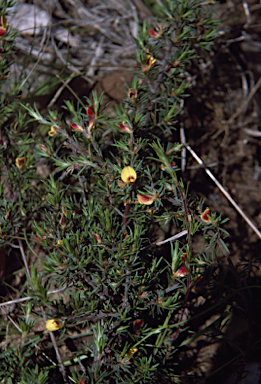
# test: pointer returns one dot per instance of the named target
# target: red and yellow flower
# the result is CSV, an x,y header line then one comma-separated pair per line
x,y
128,175
90,114
3,25
132,94
19,162
77,127
124,126
146,200
157,34
150,62
204,216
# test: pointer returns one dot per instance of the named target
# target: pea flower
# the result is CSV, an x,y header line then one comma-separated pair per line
x,y
145,200
204,216
77,127
124,126
132,93
53,324
150,61
90,114
3,25
128,175
158,34
137,324
52,132
180,272
19,162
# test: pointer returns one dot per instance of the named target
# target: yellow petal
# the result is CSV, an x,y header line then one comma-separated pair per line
x,y
128,175
53,324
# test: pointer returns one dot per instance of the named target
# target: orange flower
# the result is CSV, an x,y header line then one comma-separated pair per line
x,y
128,175
52,132
145,200
204,216
19,162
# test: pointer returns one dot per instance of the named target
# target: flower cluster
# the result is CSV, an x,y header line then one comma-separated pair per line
x,y
129,176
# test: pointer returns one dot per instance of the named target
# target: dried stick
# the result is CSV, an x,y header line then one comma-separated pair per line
x,y
173,238
222,189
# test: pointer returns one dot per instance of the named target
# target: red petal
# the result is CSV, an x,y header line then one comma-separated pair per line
x,y
152,32
2,31
137,324
90,110
38,240
181,271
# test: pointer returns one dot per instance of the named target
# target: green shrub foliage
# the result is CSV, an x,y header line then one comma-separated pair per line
x,y
92,229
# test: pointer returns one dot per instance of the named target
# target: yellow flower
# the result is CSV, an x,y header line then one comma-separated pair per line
x,y
52,132
131,352
53,324
128,175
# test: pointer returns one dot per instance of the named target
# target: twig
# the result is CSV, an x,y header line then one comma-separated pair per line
x,y
30,297
40,56
247,13
222,189
245,102
24,260
182,139
173,238
57,94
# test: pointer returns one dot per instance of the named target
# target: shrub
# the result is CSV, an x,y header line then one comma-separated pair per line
x,y
111,294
